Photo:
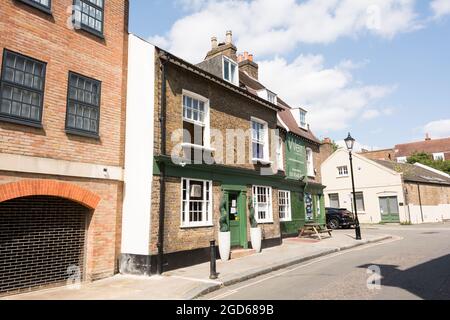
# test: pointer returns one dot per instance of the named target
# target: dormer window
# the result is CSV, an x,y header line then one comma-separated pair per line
x,y
303,123
271,97
230,71
268,95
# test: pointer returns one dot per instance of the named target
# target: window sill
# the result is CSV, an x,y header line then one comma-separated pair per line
x,y
262,161
82,134
265,222
197,226
91,31
347,176
18,121
198,147
37,6
285,220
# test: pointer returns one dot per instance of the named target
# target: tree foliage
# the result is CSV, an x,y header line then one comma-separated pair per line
x,y
427,159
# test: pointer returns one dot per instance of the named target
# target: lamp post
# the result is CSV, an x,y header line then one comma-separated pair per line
x,y
350,142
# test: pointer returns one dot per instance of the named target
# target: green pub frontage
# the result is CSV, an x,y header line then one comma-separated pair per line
x,y
307,201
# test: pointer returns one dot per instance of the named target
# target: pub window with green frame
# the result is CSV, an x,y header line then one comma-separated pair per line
x,y
83,105
89,15
22,89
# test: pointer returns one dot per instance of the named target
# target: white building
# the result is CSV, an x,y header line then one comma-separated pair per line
x,y
387,191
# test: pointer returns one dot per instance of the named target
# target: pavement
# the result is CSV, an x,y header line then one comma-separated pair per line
x,y
193,282
412,265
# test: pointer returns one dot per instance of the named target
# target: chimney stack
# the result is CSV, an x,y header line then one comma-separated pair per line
x,y
214,44
247,65
427,138
229,39
226,48
327,141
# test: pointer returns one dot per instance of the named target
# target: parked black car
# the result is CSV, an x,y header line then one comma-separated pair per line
x,y
339,218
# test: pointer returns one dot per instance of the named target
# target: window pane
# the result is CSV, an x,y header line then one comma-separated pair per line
x,y
226,70
83,106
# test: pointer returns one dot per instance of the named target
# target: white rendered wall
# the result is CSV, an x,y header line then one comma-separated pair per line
x,y
138,147
373,180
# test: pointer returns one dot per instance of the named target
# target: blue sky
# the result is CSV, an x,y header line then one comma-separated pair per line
x,y
378,68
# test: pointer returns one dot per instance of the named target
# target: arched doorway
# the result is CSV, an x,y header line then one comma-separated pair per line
x,y
42,242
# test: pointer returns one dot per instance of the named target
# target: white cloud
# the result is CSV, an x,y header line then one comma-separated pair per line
x,y
268,27
331,95
438,129
370,114
440,7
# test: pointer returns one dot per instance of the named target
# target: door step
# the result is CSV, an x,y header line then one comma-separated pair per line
x,y
241,253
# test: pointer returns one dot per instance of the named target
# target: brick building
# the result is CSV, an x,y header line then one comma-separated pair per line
x,y
62,116
214,132
439,149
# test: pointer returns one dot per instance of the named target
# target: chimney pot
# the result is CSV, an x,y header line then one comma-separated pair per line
x,y
245,55
214,42
240,58
250,57
229,37
427,138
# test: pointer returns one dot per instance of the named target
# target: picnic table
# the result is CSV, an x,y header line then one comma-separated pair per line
x,y
316,229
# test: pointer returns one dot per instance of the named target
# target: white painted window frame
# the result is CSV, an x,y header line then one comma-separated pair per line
x,y
236,71
206,121
310,163
402,159
206,208
287,196
280,154
269,212
342,171
438,156
266,158
303,123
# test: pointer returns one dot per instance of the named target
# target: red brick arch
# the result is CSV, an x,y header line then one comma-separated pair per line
x,y
26,188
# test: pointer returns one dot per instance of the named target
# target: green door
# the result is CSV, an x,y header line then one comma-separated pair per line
x,y
233,213
389,209
237,213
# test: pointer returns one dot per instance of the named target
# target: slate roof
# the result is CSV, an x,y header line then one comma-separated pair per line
x,y
253,86
415,173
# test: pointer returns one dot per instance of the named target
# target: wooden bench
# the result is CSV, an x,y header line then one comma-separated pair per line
x,y
316,229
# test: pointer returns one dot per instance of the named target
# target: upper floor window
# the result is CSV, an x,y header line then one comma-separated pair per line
x,y
89,15
263,204
196,207
438,156
230,71
310,163
284,205
280,154
342,171
195,120
402,159
303,123
83,105
271,97
260,140
22,89
44,5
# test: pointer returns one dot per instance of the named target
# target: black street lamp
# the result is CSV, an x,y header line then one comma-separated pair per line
x,y
350,142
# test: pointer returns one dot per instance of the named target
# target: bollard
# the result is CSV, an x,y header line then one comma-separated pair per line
x,y
212,270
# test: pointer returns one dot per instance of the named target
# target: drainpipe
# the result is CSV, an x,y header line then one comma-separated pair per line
x,y
420,202
162,189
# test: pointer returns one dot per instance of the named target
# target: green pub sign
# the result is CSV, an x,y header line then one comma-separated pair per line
x,y
295,158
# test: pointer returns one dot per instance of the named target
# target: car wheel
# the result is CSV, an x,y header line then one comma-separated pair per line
x,y
333,224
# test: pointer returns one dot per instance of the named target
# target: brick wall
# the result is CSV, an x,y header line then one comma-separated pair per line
x,y
228,110
103,236
430,195
387,154
45,37
181,239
